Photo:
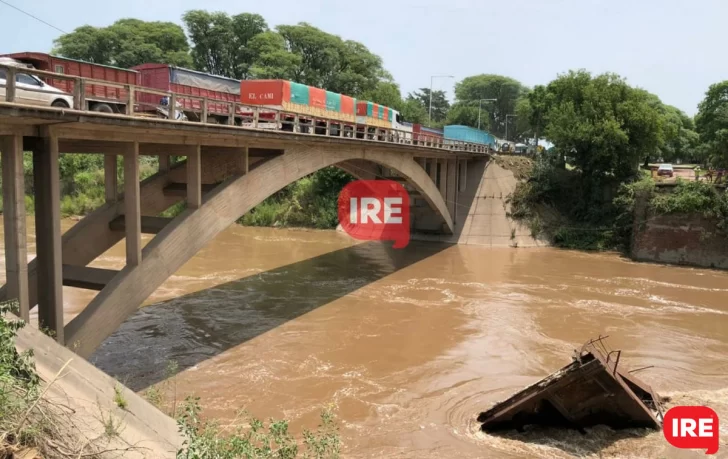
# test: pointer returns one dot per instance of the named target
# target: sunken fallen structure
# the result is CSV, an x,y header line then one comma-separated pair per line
x,y
593,389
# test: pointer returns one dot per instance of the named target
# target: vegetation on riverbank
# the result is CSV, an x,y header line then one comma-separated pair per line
x,y
603,129
33,425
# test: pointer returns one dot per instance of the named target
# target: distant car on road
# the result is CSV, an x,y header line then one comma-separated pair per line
x,y
31,90
665,170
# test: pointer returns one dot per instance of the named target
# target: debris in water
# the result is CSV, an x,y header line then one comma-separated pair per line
x,y
593,389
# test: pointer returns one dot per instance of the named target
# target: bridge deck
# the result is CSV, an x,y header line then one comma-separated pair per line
x,y
105,129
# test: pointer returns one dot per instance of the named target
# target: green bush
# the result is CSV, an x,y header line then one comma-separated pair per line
x,y
208,440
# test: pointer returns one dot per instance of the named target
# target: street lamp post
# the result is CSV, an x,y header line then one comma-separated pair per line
x,y
480,103
431,80
512,116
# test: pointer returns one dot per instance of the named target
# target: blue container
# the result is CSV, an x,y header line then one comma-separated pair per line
x,y
468,134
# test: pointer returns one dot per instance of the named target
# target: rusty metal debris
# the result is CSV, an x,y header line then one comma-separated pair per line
x,y
593,389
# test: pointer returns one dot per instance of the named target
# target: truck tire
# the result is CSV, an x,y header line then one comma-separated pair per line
x,y
102,108
60,103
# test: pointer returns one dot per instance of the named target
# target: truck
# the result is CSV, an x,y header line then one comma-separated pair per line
x,y
98,97
309,104
468,134
424,134
220,91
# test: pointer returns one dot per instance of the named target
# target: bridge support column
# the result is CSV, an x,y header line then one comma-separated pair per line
x,y
433,170
451,190
163,163
132,211
16,248
463,169
443,179
111,183
48,236
194,178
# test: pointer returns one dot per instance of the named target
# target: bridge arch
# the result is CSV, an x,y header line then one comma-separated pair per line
x,y
190,231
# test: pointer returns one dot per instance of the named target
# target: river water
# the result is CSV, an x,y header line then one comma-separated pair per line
x,y
408,346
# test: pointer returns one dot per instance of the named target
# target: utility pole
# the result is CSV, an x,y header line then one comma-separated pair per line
x,y
480,103
432,78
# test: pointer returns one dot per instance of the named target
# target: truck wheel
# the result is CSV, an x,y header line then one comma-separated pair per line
x,y
102,108
60,103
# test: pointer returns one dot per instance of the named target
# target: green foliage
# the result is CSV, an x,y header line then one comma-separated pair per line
x,y
207,440
711,122
602,125
694,197
440,104
311,202
505,90
222,44
18,366
126,43
119,398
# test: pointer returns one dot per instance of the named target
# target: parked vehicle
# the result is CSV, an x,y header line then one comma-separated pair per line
x,y
468,134
99,98
665,170
31,90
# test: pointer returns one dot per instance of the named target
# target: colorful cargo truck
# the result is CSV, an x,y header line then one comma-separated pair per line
x,y
315,105
309,103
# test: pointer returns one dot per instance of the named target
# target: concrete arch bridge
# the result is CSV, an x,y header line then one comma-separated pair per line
x,y
223,172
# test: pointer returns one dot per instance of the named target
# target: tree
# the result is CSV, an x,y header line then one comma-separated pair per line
x,y
272,60
440,104
414,112
222,43
505,90
386,93
711,122
327,61
126,43
466,114
602,125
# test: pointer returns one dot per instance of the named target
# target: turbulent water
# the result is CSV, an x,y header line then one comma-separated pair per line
x,y
408,346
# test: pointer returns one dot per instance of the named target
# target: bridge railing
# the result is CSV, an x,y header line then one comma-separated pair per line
x,y
142,101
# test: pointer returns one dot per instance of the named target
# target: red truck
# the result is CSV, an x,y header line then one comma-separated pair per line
x,y
179,80
99,98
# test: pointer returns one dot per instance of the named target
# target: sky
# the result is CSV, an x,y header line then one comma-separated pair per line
x,y
672,48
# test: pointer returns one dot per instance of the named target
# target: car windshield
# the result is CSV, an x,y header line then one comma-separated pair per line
x,y
666,166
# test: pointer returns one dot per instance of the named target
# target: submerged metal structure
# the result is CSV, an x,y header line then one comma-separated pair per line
x,y
593,389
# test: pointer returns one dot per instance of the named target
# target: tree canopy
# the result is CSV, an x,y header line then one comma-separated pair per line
x,y
126,43
440,104
711,123
601,124
471,90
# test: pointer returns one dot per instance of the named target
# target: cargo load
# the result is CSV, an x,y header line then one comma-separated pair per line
x,y
179,80
372,114
468,134
297,98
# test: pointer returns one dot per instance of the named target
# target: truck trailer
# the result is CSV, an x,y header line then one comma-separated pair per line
x,y
98,97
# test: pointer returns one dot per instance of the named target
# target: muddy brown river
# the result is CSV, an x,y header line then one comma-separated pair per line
x,y
408,346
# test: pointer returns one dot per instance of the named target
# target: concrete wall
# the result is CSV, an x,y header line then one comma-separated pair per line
x,y
679,239
481,216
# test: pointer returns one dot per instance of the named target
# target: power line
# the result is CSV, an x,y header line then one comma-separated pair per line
x,y
34,17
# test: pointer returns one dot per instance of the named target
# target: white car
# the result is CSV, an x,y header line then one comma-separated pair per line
x,y
26,86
